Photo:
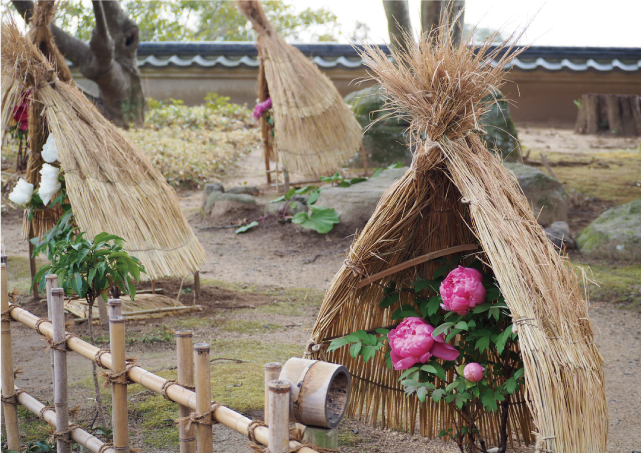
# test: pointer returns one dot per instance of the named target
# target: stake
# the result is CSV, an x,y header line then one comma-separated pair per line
x,y
63,444
272,371
10,409
184,346
203,398
51,283
115,308
196,286
278,429
119,387
35,286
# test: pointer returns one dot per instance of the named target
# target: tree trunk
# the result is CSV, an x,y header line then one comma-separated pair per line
x,y
398,21
618,114
109,60
435,13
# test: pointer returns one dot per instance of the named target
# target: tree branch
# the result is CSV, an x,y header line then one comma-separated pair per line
x,y
24,8
101,42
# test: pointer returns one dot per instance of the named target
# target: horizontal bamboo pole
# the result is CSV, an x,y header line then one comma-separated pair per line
x,y
176,393
150,311
78,435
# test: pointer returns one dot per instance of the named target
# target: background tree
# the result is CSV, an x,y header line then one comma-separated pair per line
x,y
435,12
398,20
108,59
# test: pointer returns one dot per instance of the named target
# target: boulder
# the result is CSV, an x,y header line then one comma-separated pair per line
x,y
615,234
385,141
546,195
292,208
559,234
247,190
209,189
501,135
221,204
355,204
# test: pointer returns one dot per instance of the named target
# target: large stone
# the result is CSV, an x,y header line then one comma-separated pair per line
x,y
559,234
209,189
501,135
293,207
247,190
615,234
227,203
355,204
385,141
546,195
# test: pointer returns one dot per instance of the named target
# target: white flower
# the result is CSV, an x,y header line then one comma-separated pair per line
x,y
49,150
49,184
21,193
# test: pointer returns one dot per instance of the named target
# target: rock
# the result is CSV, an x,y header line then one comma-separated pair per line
x,y
356,204
545,194
210,201
385,142
501,135
226,203
209,189
276,208
615,234
247,190
559,234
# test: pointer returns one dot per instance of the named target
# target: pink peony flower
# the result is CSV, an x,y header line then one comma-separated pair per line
x,y
21,112
462,289
262,107
412,342
473,372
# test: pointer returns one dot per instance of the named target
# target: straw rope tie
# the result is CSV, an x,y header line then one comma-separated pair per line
x,y
200,419
98,357
58,345
12,307
252,427
41,414
169,383
12,399
114,378
105,447
37,326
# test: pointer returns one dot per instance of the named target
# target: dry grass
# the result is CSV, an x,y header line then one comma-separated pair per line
x,y
315,131
455,193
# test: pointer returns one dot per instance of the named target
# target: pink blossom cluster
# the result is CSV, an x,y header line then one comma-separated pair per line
x,y
462,290
262,107
412,342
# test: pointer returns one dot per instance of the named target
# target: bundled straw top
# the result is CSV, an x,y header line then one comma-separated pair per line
x,y
111,184
457,193
315,131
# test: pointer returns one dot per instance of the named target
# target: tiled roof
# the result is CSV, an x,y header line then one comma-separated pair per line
x,y
327,56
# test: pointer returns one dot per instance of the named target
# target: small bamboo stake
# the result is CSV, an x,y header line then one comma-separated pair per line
x,y
63,444
115,308
51,282
196,286
203,397
278,429
184,346
32,266
10,410
119,388
272,371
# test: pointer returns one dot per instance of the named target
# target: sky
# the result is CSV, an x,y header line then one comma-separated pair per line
x,y
590,23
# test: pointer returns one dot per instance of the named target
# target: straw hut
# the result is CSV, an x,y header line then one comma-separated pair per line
x,y
457,194
315,132
111,184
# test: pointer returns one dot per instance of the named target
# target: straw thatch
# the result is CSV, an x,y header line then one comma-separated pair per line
x,y
457,193
315,131
111,184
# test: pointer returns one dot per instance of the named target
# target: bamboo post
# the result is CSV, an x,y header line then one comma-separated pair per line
x,y
203,398
278,429
63,444
8,390
184,346
115,308
272,371
51,282
119,386
32,266
196,286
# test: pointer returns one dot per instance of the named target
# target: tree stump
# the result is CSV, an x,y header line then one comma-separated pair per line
x,y
618,114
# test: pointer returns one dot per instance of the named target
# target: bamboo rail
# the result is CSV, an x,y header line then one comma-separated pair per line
x,y
176,393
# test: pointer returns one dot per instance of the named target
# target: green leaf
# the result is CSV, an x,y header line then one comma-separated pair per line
x,y
92,273
451,386
502,339
492,293
511,385
377,172
313,196
389,300
304,190
383,331
338,343
406,311
442,328
368,352
290,193
361,335
434,368
519,373
421,393
247,227
482,308
355,349
321,219
105,237
462,325
483,344
442,270
407,372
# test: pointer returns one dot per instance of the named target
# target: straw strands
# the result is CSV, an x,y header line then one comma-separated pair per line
x,y
111,184
315,131
455,193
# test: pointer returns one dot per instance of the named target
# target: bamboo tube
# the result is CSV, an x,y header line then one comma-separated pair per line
x,y
10,410
272,371
278,429
119,388
115,308
51,282
184,346
78,435
60,369
180,395
203,398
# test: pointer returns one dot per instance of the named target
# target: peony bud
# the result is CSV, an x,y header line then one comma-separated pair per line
x,y
473,372
21,193
49,184
49,150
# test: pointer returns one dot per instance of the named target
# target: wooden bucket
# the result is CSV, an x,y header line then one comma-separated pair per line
x,y
319,392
